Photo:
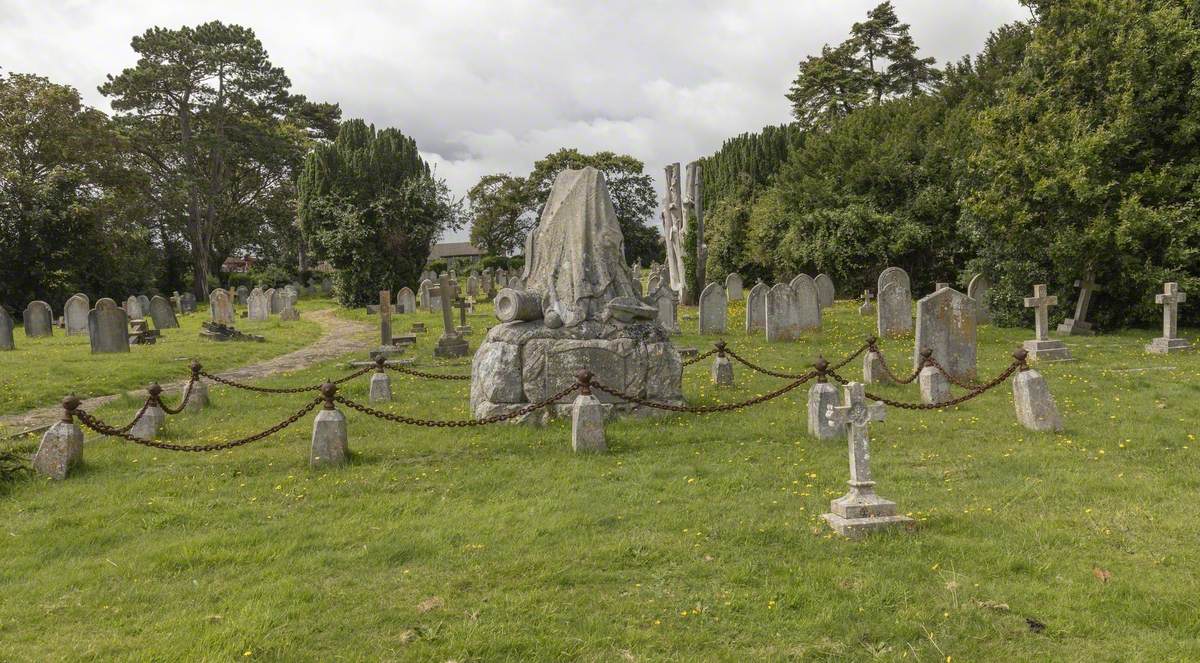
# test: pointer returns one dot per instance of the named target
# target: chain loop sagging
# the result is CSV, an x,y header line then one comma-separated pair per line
x,y
104,429
187,394
292,390
950,378
421,374
765,371
706,355
455,423
706,409
136,418
976,391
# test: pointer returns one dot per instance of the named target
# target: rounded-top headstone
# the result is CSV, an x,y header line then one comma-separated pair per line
x,y
893,275
39,319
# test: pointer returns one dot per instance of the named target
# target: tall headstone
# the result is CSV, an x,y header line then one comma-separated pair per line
x,y
894,315
978,289
108,327
666,302
1169,341
782,313
220,306
451,343
946,325
406,302
38,319
133,308
472,286
1042,347
893,275
860,511
655,281
423,293
258,307
733,286
75,314
276,302
826,293
756,308
6,330
1078,325
808,303
144,303
385,318
487,282
714,309
243,295
162,314
187,302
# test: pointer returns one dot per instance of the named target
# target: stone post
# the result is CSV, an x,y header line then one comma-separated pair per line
x,y
722,368
587,418
199,398
153,418
330,441
935,388
1031,398
381,384
873,370
822,396
61,447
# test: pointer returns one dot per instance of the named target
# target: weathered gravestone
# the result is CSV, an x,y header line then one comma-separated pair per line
x,y
472,286
258,307
654,283
713,309
893,275
162,314
273,298
423,293
39,320
435,295
187,302
782,313
133,308
75,314
867,307
825,290
946,325
1078,325
978,289
666,302
220,307
756,308
1169,341
1042,347
108,327
894,310
808,303
144,303
451,343
733,286
406,302
242,295
6,330
487,281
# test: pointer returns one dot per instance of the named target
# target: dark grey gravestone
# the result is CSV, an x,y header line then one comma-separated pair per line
x,y
108,327
39,320
162,314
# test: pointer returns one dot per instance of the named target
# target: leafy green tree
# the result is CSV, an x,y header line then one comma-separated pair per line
x,y
829,87
370,205
499,218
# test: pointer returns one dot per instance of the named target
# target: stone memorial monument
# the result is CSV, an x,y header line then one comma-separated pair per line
x,y
75,314
1042,347
578,311
978,289
221,307
451,343
1169,341
756,308
133,308
406,302
946,325
714,307
1078,325
782,319
258,307
894,310
38,319
733,286
666,302
826,293
162,313
6,330
108,327
808,303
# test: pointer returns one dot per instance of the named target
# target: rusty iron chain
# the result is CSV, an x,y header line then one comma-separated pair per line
x,y
104,429
421,374
950,378
892,376
851,357
697,358
706,409
454,423
292,390
187,394
765,371
976,391
137,417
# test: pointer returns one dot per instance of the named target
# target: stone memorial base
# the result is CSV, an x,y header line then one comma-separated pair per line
x,y
1073,328
450,347
1049,350
861,512
386,351
463,330
1164,346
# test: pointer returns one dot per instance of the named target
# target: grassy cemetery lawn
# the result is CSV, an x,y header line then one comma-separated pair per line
x,y
695,538
43,370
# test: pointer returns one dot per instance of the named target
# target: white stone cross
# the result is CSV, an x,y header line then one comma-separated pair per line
x,y
1041,303
1170,301
867,296
856,415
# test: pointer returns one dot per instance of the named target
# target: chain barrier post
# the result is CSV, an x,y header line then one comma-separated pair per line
x,y
1034,404
153,418
821,397
199,398
587,418
935,388
874,369
61,447
381,383
722,368
330,440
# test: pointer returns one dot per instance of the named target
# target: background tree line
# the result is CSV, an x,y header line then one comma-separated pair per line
x,y
1069,143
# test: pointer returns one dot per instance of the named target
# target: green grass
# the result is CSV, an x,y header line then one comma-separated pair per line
x,y
43,370
695,538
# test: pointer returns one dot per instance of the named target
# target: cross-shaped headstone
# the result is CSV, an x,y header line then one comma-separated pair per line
x,y
447,291
867,296
1170,301
462,305
385,317
1040,302
856,415
1079,324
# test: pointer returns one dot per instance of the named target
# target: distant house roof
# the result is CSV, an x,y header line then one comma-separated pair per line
x,y
454,250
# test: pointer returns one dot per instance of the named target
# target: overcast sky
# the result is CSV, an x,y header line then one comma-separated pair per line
x,y
491,86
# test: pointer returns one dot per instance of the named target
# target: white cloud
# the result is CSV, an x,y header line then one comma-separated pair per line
x,y
492,86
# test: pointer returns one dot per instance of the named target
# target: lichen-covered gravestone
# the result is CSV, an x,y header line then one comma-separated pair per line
x,y
258,307
946,325
6,330
893,311
893,275
406,302
133,308
733,286
162,314
39,320
242,295
75,314
808,303
221,307
826,293
713,309
782,314
276,304
144,303
978,289
108,327
756,308
666,302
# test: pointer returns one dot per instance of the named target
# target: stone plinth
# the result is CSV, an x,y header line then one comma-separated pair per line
x,y
60,450
450,346
821,397
381,388
330,440
151,422
587,425
1163,345
1034,404
935,388
722,372
1048,350
873,368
